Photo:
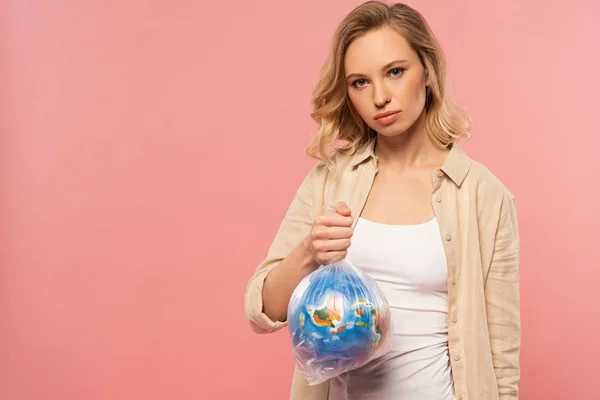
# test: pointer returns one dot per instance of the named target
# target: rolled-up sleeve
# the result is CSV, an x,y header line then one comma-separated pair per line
x,y
296,225
503,302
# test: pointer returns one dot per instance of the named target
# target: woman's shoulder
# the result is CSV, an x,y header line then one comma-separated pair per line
x,y
338,162
486,182
318,173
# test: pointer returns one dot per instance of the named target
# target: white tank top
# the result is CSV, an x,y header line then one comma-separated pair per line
x,y
409,264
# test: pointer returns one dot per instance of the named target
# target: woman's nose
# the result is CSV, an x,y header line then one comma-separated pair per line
x,y
381,96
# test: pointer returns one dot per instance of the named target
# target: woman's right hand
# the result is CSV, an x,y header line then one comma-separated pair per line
x,y
329,239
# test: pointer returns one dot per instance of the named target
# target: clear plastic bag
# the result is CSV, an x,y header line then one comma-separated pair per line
x,y
338,320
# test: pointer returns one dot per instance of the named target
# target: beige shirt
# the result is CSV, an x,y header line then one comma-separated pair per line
x,y
478,224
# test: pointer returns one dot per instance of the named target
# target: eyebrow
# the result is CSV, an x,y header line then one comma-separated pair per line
x,y
383,69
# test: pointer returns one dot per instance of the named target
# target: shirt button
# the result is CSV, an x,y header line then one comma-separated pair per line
x,y
438,200
454,319
457,357
448,237
453,281
439,174
459,397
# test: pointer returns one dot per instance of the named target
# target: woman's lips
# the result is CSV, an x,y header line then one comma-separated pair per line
x,y
388,119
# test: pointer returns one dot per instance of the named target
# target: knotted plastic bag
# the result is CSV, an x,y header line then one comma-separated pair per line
x,y
338,320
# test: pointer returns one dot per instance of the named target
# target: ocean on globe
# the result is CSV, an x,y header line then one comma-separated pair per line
x,y
338,320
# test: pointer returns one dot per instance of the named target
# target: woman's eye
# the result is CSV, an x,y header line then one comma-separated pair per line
x,y
396,71
359,83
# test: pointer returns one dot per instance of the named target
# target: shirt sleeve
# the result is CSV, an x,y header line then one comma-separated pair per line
x,y
296,225
503,302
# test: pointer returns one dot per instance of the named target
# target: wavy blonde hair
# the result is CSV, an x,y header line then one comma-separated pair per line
x,y
333,111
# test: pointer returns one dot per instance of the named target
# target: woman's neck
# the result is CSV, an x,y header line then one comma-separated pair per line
x,y
410,149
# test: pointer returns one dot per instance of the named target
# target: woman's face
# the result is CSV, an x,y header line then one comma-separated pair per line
x,y
384,74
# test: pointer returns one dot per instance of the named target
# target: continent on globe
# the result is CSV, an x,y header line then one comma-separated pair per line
x,y
377,322
327,315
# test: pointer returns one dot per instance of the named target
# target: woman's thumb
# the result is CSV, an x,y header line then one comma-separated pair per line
x,y
342,208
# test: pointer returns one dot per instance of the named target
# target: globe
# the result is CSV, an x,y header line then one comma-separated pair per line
x,y
338,320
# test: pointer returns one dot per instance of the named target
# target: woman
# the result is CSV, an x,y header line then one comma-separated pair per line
x,y
437,230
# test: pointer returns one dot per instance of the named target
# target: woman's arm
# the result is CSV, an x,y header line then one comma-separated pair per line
x,y
503,301
286,263
283,279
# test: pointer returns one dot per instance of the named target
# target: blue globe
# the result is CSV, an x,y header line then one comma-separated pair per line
x,y
338,320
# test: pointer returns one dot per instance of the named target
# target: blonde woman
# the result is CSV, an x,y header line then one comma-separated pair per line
x,y
437,230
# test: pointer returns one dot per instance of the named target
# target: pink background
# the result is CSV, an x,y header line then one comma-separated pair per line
x,y
150,149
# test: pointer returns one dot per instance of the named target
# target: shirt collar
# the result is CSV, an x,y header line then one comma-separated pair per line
x,y
456,166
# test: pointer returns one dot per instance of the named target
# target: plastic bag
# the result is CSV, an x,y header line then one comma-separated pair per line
x,y
338,320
